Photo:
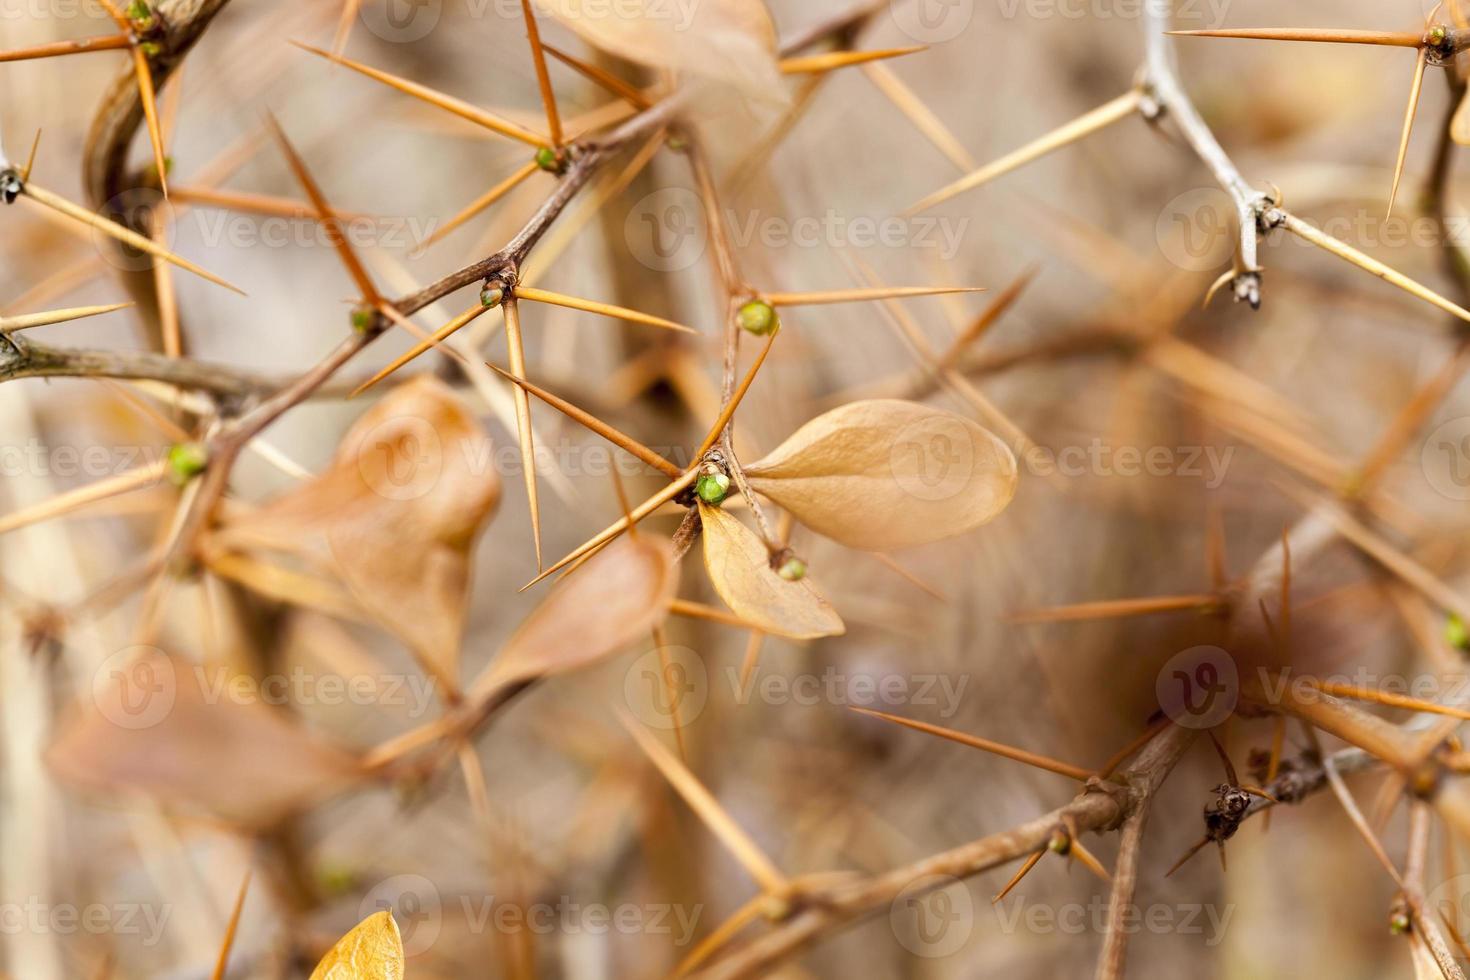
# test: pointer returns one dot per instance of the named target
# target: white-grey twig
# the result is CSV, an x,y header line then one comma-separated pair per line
x,y
1164,90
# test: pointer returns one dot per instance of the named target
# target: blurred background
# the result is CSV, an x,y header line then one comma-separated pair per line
x,y
1124,232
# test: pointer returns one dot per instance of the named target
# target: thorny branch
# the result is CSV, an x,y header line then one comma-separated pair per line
x,y
1166,96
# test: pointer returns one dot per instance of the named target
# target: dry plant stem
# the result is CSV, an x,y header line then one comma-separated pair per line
x,y
1161,81
1102,806
1110,965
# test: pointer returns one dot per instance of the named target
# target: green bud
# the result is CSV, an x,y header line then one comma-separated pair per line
x,y
491,296
1438,35
713,488
362,319
550,160
1456,633
1060,842
1399,924
151,48
186,461
759,317
138,10
678,143
793,570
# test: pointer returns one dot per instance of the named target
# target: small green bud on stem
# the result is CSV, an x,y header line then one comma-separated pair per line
x,y
186,461
491,295
1456,634
793,569
758,317
362,319
552,161
713,486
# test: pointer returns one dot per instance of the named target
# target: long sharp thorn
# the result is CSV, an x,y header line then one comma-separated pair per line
x,y
1088,860
606,79
118,17
1016,880
543,77
998,307
149,98
1099,118
434,339
622,524
168,299
330,223
1415,88
263,204
446,102
1397,39
593,423
817,63
1193,850
112,42
923,118
392,313
863,295
702,802
222,965
984,745
605,309
480,204
344,25
25,174
30,320
1358,693
1116,609
1347,253
728,412
125,235
65,503
517,355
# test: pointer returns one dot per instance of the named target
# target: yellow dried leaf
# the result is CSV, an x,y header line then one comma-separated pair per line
x,y
373,950
740,569
196,738
730,41
882,475
618,597
394,517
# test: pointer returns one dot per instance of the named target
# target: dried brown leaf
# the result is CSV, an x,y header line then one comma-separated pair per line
x,y
615,599
195,738
739,566
396,515
882,475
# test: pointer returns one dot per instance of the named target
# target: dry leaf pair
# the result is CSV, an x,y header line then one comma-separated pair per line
x,y
393,518
875,475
